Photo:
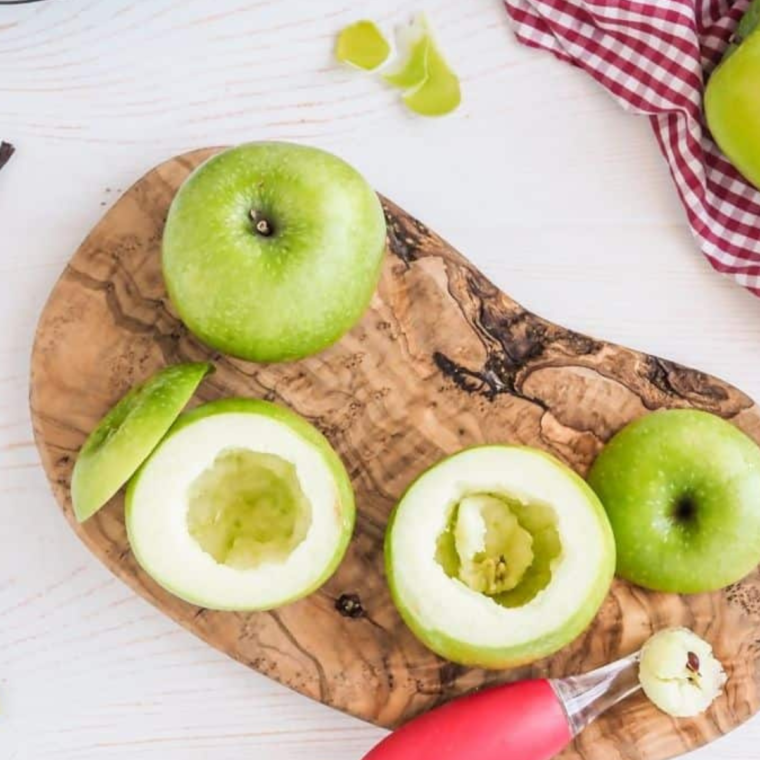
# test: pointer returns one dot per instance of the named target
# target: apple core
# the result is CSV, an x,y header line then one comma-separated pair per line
x,y
679,672
500,547
248,508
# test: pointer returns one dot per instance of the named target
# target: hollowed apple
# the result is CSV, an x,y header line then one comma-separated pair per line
x,y
243,506
499,555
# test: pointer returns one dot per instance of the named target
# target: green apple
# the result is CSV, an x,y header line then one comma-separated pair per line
x,y
498,556
272,251
732,98
243,506
682,491
128,433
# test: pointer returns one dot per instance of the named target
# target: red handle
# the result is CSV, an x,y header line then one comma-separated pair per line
x,y
519,721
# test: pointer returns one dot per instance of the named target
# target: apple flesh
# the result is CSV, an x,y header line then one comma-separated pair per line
x,y
128,433
682,490
498,556
243,506
272,251
679,672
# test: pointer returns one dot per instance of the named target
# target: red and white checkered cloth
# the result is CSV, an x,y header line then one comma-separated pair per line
x,y
651,55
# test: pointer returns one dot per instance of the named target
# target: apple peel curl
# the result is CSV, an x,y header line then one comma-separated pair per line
x,y
430,86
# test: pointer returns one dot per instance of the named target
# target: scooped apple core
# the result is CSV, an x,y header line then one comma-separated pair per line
x,y
679,672
500,547
248,508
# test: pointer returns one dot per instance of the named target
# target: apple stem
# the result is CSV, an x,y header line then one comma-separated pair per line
x,y
260,223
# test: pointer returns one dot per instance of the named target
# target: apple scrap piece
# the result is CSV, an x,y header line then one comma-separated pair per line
x,y
413,42
124,438
440,92
432,88
362,45
679,673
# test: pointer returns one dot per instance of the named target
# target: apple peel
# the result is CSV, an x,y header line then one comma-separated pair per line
x,y
440,93
432,88
362,45
679,673
412,44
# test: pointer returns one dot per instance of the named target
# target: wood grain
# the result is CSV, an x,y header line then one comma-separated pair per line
x,y
442,359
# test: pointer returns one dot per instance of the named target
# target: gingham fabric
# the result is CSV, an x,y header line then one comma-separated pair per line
x,y
651,55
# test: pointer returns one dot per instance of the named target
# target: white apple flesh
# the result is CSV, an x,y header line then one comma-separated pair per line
x,y
679,673
243,506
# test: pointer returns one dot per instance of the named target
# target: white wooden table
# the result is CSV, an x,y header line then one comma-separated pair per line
x,y
555,193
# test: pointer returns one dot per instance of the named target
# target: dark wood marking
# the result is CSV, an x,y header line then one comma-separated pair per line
x,y
6,151
442,359
350,606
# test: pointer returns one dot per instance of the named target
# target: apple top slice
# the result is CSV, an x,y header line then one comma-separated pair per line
x,y
126,436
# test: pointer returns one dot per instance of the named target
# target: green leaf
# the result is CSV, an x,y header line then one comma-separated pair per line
x,y
749,23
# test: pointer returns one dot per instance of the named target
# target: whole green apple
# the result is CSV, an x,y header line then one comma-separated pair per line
x,y
128,433
498,556
272,251
682,490
243,506
732,98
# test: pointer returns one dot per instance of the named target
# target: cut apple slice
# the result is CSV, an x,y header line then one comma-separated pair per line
x,y
362,45
124,438
243,506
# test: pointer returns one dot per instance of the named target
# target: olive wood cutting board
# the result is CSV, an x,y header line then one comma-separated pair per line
x,y
443,359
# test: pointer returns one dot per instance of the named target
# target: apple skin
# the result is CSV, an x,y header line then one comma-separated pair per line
x,y
682,490
303,429
128,433
511,656
278,296
732,103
